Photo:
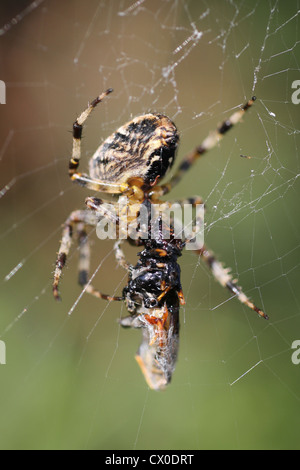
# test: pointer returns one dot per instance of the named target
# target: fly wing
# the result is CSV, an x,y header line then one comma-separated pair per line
x,y
157,353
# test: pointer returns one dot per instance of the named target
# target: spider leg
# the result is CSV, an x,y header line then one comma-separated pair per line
x,y
78,220
83,179
75,218
120,214
120,257
223,276
208,143
84,265
101,209
220,273
186,229
195,202
84,262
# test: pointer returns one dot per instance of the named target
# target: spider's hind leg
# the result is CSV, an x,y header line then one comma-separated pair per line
x,y
78,221
223,276
81,218
84,265
100,210
120,257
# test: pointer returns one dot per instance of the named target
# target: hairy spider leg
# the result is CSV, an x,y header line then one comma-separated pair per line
x,y
223,276
196,223
208,143
84,264
77,217
83,179
120,257
220,273
122,216
79,220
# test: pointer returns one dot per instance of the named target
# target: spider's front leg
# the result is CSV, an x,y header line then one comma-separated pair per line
x,y
207,144
83,179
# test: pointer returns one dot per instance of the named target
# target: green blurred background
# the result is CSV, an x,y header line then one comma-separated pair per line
x,y
71,380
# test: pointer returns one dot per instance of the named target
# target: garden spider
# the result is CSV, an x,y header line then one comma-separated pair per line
x,y
131,162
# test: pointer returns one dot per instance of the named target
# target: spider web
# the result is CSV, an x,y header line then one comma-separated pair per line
x,y
70,379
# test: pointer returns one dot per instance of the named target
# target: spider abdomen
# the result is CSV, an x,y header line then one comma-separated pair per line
x,y
144,147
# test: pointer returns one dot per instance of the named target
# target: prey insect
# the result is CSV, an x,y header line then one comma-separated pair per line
x,y
132,162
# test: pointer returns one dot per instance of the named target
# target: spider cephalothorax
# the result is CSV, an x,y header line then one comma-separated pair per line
x,y
131,162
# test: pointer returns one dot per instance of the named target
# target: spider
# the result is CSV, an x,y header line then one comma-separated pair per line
x,y
131,162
